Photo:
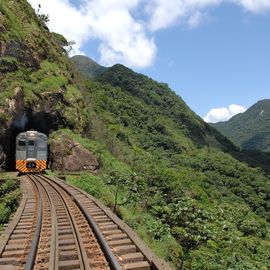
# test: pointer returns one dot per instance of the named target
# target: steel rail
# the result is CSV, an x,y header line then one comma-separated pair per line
x,y
33,251
54,246
103,243
53,258
81,253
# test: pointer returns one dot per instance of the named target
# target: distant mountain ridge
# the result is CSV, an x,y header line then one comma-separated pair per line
x,y
251,129
87,66
172,124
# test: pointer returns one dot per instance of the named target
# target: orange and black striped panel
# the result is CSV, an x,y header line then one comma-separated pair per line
x,y
21,166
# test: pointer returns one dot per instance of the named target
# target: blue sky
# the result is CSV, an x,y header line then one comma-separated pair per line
x,y
212,53
222,62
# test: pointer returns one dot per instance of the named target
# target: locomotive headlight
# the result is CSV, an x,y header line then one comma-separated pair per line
x,y
31,165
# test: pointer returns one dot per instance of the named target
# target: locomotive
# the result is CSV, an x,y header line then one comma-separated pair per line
x,y
31,152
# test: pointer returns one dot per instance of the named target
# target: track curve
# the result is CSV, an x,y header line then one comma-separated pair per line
x,y
58,226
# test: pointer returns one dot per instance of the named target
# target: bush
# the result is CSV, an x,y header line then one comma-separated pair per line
x,y
4,214
12,199
8,186
10,196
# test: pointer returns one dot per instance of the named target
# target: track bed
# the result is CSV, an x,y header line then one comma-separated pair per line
x,y
58,226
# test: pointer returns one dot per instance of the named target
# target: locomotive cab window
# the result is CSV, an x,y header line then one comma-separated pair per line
x,y
21,143
31,142
41,145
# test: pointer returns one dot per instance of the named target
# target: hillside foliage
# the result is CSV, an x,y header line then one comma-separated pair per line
x,y
10,196
176,180
250,130
87,66
34,63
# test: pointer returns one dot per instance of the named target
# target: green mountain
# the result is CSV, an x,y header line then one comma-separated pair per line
x,y
36,88
173,178
165,114
166,107
251,129
182,172
87,66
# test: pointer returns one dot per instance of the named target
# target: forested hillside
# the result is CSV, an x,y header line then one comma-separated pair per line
x,y
181,180
169,175
251,129
87,66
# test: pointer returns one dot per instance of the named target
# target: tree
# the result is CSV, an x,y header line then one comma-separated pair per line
x,y
119,180
43,18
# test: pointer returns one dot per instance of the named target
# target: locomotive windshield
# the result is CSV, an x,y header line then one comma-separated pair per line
x,y
21,143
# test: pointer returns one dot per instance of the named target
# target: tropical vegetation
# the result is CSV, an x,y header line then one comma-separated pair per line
x,y
189,192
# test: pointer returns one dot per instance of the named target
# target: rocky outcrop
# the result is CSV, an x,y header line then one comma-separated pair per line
x,y
36,81
70,156
19,51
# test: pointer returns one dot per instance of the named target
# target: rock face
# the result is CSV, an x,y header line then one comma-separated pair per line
x,y
72,155
37,90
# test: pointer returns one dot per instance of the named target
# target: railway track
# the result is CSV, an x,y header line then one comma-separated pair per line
x,y
61,227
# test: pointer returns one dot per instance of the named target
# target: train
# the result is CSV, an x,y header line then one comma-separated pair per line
x,y
31,152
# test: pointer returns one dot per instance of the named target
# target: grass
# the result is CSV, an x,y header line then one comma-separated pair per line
x,y
154,233
205,212
10,196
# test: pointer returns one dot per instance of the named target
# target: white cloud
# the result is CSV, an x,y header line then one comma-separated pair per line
x,y
164,13
123,37
255,6
195,19
223,114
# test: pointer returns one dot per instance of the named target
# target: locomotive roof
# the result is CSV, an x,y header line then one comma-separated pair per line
x,y
31,133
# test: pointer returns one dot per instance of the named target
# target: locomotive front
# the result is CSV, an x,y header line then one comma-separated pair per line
x,y
31,152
